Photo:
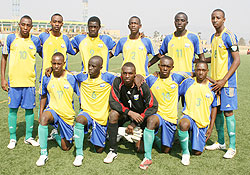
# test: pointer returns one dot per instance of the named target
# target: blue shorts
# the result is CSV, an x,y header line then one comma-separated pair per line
x,y
198,137
167,131
99,132
22,96
229,101
66,130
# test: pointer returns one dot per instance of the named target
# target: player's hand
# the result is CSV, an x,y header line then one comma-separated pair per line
x,y
139,79
218,85
4,85
48,30
208,133
137,134
48,71
135,116
156,73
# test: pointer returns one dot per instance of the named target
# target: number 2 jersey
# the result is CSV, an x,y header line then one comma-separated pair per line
x,y
199,100
123,99
22,60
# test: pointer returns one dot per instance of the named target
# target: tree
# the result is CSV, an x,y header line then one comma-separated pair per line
x,y
242,42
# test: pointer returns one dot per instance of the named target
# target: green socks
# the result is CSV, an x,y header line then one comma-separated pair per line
x,y
43,136
184,137
29,118
58,139
231,125
157,142
148,136
219,124
79,137
12,117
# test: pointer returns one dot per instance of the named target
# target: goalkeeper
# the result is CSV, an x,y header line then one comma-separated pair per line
x,y
128,102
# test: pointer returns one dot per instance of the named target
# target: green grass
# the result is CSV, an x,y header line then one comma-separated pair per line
x,y
22,159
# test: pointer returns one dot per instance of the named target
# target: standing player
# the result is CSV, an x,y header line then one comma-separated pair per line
x,y
94,44
182,45
165,89
127,102
200,108
58,89
21,49
94,93
134,48
225,60
53,42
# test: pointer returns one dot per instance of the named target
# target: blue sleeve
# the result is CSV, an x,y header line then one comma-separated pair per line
x,y
148,45
150,80
108,77
180,76
185,85
215,101
45,84
164,47
37,43
70,49
77,40
6,47
109,42
196,43
211,39
229,39
119,46
73,82
43,37
81,77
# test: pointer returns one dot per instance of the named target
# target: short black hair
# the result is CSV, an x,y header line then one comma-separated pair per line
x,y
94,19
201,62
56,14
58,54
98,58
181,13
220,10
134,17
26,17
129,64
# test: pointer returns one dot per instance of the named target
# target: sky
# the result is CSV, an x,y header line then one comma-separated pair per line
x,y
156,15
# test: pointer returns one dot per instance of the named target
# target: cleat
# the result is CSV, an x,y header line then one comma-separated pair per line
x,y
230,153
145,163
185,159
31,141
110,157
119,137
78,160
12,144
51,135
42,160
216,146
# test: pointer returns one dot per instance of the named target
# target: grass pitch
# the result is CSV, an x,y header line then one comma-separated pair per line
x,y
22,159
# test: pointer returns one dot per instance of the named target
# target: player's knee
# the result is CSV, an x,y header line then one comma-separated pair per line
x,y
113,116
228,113
152,122
44,119
184,124
81,119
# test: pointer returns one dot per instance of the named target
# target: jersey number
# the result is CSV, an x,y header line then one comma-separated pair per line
x,y
93,95
133,56
92,52
130,103
166,97
215,54
198,101
59,93
179,53
23,55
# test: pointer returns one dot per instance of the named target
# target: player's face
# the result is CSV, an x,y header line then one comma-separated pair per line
x,y
128,75
56,23
217,19
25,26
201,71
57,64
93,28
94,68
165,67
180,22
134,25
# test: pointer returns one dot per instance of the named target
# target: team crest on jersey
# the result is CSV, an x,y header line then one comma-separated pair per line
x,y
187,45
208,95
172,86
30,47
141,48
172,45
136,96
62,45
157,87
66,86
220,45
100,45
102,85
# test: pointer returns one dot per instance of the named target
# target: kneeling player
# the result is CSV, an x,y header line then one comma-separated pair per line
x,y
60,87
165,90
94,92
199,99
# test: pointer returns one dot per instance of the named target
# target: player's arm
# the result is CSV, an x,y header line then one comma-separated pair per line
x,y
4,83
110,54
236,62
212,120
43,103
154,60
